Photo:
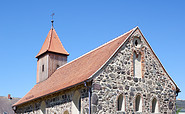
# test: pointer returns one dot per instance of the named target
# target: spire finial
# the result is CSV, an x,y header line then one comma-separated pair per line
x,y
52,19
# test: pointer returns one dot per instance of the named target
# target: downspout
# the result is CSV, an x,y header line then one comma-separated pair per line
x,y
89,100
89,93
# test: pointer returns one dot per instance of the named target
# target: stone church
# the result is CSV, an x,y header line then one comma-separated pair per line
x,y
123,76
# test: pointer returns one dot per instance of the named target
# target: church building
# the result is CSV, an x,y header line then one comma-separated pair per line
x,y
123,76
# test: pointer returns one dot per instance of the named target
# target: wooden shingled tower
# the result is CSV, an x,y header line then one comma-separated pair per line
x,y
51,56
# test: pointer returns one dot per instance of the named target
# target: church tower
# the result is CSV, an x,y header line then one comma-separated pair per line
x,y
51,56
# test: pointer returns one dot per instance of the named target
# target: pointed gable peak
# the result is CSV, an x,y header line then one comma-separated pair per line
x,y
53,44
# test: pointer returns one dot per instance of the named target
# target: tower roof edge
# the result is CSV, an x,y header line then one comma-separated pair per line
x,y
52,43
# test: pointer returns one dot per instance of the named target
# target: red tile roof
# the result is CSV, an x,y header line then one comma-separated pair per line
x,y
52,43
77,71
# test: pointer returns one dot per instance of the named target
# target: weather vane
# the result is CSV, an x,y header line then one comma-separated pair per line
x,y
52,18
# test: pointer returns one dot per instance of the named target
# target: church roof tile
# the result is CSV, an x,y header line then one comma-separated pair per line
x,y
76,71
52,43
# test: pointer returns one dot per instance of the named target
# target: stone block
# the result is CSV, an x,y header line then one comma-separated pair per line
x,y
94,99
96,86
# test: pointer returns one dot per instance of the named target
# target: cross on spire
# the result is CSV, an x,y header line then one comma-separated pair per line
x,y
52,19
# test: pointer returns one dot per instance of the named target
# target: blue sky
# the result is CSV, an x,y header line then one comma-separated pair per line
x,y
83,25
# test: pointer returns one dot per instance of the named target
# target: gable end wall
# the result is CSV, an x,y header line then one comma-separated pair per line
x,y
117,77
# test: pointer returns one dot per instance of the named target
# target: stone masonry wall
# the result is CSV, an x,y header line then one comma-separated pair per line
x,y
56,103
117,77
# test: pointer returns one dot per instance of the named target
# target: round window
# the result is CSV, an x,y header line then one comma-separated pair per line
x,y
137,42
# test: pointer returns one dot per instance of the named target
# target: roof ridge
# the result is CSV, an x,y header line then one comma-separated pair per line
x,y
97,48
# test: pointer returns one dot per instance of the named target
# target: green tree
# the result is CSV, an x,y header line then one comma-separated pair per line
x,y
178,110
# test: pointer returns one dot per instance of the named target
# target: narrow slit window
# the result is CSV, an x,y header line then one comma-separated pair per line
x,y
57,66
79,108
42,68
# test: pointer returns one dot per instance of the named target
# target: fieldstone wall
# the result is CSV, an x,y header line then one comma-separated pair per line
x,y
117,77
56,103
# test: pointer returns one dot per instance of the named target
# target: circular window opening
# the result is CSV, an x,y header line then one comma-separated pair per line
x,y
137,42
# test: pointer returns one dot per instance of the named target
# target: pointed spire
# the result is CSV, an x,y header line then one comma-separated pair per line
x,y
52,43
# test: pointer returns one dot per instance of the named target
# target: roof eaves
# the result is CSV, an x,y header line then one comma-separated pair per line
x,y
51,93
50,52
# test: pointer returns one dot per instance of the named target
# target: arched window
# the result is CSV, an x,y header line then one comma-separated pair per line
x,y
155,106
138,104
43,107
66,112
121,103
137,65
76,104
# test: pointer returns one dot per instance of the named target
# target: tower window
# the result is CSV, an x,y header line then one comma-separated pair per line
x,y
79,104
42,68
57,66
